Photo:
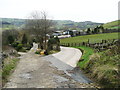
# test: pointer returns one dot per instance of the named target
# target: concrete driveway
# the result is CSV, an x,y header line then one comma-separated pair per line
x,y
69,56
52,71
66,60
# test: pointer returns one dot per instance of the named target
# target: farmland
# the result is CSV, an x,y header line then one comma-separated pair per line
x,y
112,25
93,38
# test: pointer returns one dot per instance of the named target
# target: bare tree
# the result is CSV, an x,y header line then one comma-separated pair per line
x,y
39,25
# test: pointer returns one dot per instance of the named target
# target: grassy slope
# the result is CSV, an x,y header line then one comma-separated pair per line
x,y
112,25
103,67
87,51
93,38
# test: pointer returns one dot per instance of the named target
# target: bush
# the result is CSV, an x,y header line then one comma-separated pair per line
x,y
38,51
22,50
15,44
20,46
28,47
24,39
53,42
10,39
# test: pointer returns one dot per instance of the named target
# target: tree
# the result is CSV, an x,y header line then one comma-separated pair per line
x,y
9,36
71,33
96,30
24,39
88,31
102,28
52,42
39,25
10,39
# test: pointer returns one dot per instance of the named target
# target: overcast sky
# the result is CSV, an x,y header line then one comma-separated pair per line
x,y
76,10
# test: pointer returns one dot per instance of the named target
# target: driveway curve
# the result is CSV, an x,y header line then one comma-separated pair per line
x,y
52,71
69,55
66,60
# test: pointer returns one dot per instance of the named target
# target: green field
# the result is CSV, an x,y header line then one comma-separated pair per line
x,y
112,25
92,38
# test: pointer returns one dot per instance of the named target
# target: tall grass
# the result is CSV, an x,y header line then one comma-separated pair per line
x,y
104,67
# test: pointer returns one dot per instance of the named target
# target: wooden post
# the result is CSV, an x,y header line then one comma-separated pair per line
x,y
72,44
68,44
75,44
88,41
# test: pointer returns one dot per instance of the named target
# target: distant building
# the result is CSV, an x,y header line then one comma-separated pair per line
x,y
57,33
64,36
82,32
66,32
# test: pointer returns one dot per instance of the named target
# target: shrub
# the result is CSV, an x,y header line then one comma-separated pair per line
x,y
38,51
24,39
22,50
20,46
15,44
54,42
10,39
28,47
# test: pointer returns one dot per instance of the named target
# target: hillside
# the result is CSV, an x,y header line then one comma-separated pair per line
x,y
76,25
112,25
60,24
8,23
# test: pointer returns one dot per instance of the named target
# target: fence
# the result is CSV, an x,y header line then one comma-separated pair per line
x,y
104,44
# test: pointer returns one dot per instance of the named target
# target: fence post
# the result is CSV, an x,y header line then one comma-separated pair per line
x,y
72,44
75,44
88,41
68,44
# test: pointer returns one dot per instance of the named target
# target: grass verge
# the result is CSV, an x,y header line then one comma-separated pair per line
x,y
103,66
87,51
8,69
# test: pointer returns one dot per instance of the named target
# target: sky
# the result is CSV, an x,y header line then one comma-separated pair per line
x,y
76,10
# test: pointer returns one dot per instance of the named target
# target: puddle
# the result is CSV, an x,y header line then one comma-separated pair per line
x,y
25,76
